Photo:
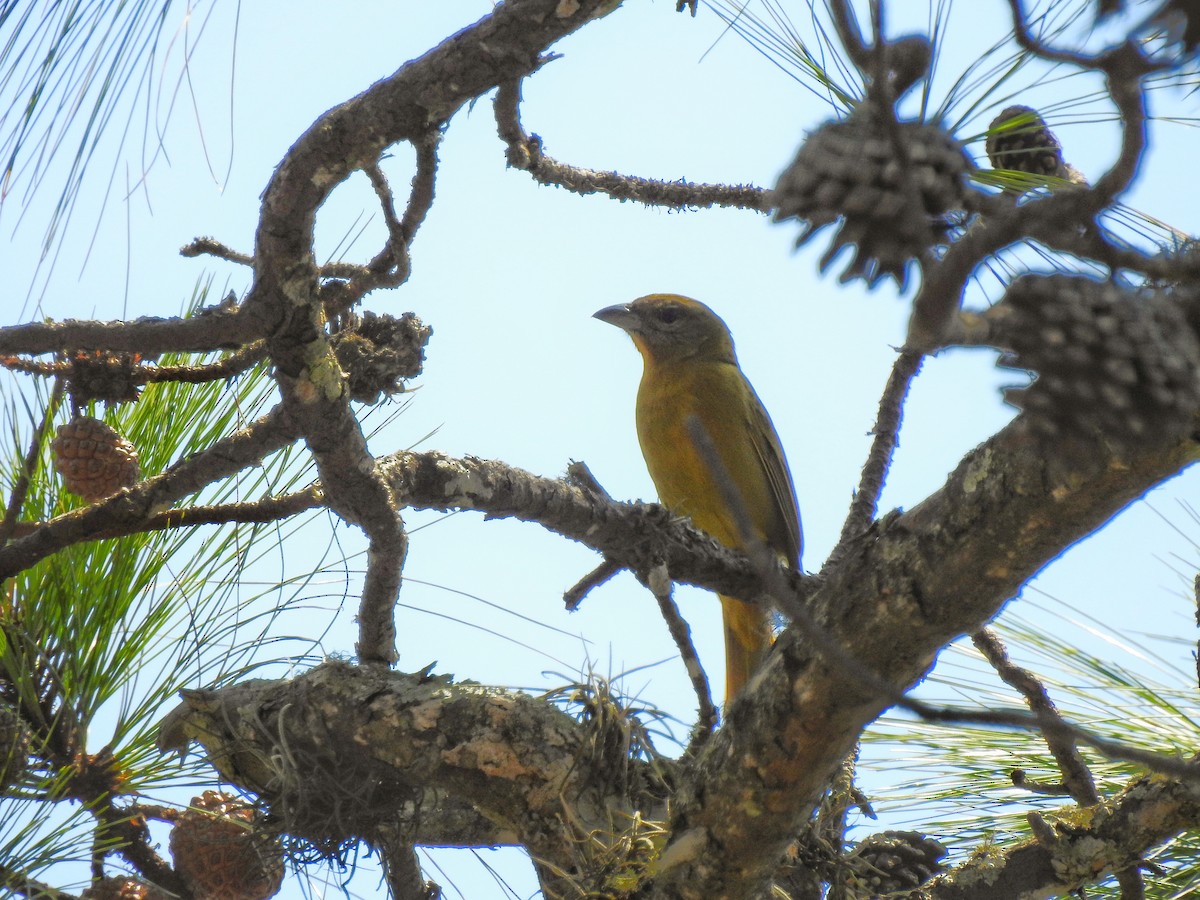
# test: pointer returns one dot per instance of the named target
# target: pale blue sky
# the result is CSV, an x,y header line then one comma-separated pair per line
x,y
508,274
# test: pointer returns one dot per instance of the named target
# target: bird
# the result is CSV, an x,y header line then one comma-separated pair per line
x,y
691,379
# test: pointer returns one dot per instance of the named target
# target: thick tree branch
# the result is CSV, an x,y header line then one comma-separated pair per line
x,y
358,747
634,535
947,563
350,750
148,336
940,569
1086,846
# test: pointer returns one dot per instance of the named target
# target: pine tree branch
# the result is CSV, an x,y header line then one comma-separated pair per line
x,y
886,437
351,747
525,152
149,336
131,509
1085,845
22,885
1077,777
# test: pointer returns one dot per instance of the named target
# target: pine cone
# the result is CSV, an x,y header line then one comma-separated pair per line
x,y
220,850
1019,141
1109,360
93,458
893,862
852,170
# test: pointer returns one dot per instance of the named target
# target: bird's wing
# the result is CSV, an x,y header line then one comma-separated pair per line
x,y
784,533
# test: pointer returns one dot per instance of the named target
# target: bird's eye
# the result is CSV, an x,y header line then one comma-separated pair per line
x,y
667,314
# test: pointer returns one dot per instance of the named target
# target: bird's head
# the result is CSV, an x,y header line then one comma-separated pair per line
x,y
670,327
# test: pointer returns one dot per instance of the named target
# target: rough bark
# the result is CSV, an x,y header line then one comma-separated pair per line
x,y
910,585
1079,847
344,752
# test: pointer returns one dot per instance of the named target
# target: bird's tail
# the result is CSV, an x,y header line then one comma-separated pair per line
x,y
747,640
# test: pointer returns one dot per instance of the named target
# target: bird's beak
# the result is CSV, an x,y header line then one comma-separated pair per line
x,y
621,316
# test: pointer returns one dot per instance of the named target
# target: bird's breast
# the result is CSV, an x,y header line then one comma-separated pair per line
x,y
667,398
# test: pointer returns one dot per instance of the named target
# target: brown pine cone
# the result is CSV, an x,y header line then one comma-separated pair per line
x,y
1110,361
893,201
1019,141
220,849
892,862
94,459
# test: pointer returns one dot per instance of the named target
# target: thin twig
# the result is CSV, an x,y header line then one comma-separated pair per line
x,y
850,34
268,509
391,266
1077,778
421,192
207,246
226,367
1123,67
21,489
1196,590
341,269
1046,789
1035,46
383,192
232,453
581,476
573,596
886,436
169,814
941,291
707,715
525,152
